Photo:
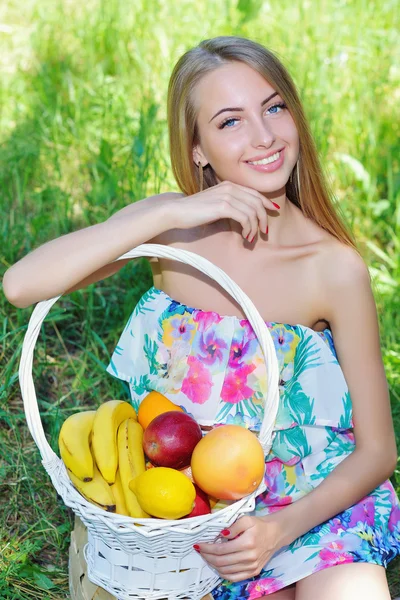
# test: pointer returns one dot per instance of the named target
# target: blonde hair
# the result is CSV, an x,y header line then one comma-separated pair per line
x,y
306,187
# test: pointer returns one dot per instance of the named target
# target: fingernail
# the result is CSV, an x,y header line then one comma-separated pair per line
x,y
252,240
225,532
266,231
196,547
275,204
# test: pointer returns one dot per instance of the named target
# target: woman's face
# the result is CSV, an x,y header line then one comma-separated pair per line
x,y
256,126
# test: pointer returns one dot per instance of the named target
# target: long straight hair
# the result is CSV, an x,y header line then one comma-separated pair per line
x,y
307,187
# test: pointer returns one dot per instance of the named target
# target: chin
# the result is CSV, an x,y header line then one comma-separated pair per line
x,y
268,187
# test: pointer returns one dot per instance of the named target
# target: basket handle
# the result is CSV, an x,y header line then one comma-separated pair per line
x,y
202,264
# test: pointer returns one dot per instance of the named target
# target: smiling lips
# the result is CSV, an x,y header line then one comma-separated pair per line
x,y
269,157
268,164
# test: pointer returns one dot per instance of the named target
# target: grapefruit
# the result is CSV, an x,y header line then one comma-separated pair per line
x,y
228,462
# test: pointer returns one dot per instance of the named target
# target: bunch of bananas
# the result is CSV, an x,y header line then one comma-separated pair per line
x,y
103,453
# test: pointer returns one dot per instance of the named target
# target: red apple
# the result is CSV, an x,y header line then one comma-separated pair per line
x,y
170,439
201,504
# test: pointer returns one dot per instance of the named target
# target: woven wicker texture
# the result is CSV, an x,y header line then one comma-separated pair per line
x,y
80,587
150,559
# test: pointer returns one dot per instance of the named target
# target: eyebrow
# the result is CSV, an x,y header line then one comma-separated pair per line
x,y
241,109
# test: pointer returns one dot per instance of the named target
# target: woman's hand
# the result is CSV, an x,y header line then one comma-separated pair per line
x,y
252,542
226,200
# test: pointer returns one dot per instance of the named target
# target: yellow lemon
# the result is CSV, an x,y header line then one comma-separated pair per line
x,y
164,493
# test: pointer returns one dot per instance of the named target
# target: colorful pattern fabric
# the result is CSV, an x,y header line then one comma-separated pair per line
x,y
213,366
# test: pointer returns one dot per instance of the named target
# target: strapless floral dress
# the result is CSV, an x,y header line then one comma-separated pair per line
x,y
213,366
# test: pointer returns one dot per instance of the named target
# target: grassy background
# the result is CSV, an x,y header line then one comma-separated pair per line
x,y
83,133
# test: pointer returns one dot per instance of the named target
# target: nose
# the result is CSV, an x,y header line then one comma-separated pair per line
x,y
262,134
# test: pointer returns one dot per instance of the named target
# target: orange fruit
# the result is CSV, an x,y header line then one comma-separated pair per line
x,y
152,405
188,472
228,462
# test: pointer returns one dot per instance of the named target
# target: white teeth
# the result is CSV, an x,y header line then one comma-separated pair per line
x,y
266,161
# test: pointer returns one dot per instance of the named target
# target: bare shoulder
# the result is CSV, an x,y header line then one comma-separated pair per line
x,y
341,265
346,283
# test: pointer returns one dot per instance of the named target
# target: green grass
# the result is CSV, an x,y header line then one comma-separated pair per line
x,y
83,133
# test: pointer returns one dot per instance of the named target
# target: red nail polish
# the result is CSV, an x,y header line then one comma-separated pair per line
x,y
275,204
266,231
252,240
196,547
225,532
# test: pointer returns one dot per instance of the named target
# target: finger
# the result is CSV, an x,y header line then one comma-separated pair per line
x,y
230,209
244,560
266,201
249,197
255,201
238,527
253,213
229,547
260,208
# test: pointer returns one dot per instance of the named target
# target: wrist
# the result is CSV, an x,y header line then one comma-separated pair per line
x,y
285,522
167,212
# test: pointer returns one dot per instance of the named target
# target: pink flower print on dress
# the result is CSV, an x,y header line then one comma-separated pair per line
x,y
273,468
210,347
337,550
205,320
274,479
273,475
328,557
198,383
182,329
247,329
237,352
394,520
235,388
263,586
363,511
337,526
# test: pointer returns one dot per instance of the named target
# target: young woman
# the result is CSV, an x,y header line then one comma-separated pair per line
x,y
254,202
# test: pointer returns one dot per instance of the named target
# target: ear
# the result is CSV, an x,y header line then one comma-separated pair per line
x,y
198,156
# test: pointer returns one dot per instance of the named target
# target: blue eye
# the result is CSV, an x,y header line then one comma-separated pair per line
x,y
273,108
224,123
278,105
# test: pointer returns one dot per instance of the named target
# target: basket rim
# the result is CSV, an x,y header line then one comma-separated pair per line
x,y
123,525
52,462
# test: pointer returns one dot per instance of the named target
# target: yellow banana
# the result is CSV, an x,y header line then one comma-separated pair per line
x,y
74,444
131,462
97,491
108,418
118,494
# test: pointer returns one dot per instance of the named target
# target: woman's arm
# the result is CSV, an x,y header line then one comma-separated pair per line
x,y
77,259
351,311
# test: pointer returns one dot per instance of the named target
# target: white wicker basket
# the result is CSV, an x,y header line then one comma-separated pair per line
x,y
150,558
